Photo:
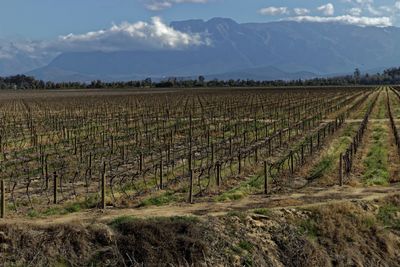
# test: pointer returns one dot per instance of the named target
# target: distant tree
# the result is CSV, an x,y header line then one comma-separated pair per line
x,y
147,82
357,75
201,80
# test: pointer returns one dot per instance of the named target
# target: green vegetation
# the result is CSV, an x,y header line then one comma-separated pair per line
x,y
244,248
263,211
254,184
368,222
375,163
33,213
389,215
331,157
245,245
61,263
121,220
309,227
240,215
115,223
163,199
70,207
381,107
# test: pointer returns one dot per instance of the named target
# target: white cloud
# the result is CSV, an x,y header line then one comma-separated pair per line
x,y
392,10
32,49
359,2
372,7
139,35
24,55
154,35
373,10
347,19
362,2
157,5
273,11
355,11
301,11
327,10
387,9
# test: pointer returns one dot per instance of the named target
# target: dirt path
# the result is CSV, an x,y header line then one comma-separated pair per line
x,y
303,198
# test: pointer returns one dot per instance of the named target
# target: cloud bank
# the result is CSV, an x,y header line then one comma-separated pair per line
x,y
347,19
153,35
273,11
140,35
301,11
327,10
157,5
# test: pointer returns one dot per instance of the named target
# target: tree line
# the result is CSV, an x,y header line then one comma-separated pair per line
x,y
388,76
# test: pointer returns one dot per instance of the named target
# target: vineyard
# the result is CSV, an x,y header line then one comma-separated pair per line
x,y
70,150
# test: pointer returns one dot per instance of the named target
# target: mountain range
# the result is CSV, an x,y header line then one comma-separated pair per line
x,y
262,51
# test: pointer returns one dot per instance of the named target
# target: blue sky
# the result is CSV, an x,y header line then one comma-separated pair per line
x,y
48,19
42,29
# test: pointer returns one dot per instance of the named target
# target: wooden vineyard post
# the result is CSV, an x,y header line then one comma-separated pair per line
x,y
46,174
161,174
123,154
90,168
341,170
218,174
112,144
269,147
239,164
3,200
55,188
191,187
291,163
256,130
190,159
266,189
230,146
190,144
141,162
103,187
212,153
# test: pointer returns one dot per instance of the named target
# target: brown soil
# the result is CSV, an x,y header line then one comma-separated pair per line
x,y
301,198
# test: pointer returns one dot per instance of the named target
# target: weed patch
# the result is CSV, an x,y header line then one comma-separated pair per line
x,y
375,163
243,190
164,199
263,211
389,215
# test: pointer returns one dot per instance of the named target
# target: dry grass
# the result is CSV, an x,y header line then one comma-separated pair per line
x,y
353,233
